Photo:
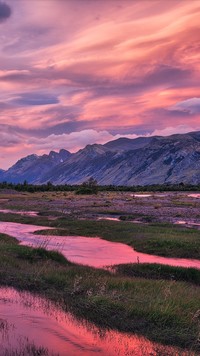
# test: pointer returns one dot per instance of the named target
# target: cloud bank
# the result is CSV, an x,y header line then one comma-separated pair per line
x,y
101,69
12,143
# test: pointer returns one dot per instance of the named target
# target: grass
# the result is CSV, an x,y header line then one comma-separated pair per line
x,y
157,271
131,217
164,311
39,254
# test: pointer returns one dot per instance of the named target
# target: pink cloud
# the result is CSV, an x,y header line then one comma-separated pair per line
x,y
106,66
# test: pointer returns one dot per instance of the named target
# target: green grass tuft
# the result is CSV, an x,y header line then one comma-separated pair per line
x,y
157,271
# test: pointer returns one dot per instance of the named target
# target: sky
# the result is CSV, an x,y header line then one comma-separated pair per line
x,y
78,72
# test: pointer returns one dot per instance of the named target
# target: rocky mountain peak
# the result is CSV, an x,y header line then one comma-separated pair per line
x,y
140,161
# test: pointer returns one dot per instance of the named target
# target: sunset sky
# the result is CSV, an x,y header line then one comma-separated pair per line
x,y
74,72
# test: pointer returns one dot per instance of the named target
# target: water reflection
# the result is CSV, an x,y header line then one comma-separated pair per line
x,y
195,195
141,195
153,195
109,218
92,251
189,223
30,324
19,212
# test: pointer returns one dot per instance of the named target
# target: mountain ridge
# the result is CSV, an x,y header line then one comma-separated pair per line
x,y
140,161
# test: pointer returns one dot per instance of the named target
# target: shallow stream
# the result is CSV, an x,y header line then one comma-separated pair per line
x,y
91,251
19,212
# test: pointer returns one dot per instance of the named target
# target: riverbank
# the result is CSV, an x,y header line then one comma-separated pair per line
x,y
157,239
90,251
162,310
160,239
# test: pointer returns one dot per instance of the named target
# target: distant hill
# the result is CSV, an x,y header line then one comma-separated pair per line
x,y
140,161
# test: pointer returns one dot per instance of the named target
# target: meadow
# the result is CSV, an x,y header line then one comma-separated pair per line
x,y
159,302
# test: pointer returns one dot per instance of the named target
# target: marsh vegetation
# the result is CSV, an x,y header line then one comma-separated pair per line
x,y
160,302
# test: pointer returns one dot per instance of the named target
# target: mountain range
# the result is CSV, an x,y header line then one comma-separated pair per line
x,y
140,161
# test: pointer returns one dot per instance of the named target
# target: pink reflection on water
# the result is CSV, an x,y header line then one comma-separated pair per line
x,y
195,195
108,218
189,223
92,251
19,212
28,318
141,195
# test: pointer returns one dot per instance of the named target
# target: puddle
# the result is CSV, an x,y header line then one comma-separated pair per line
x,y
180,222
141,195
196,195
91,251
118,219
24,213
29,322
189,223
161,195
108,218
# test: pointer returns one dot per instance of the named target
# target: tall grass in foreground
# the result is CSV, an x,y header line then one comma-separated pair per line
x,y
26,348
